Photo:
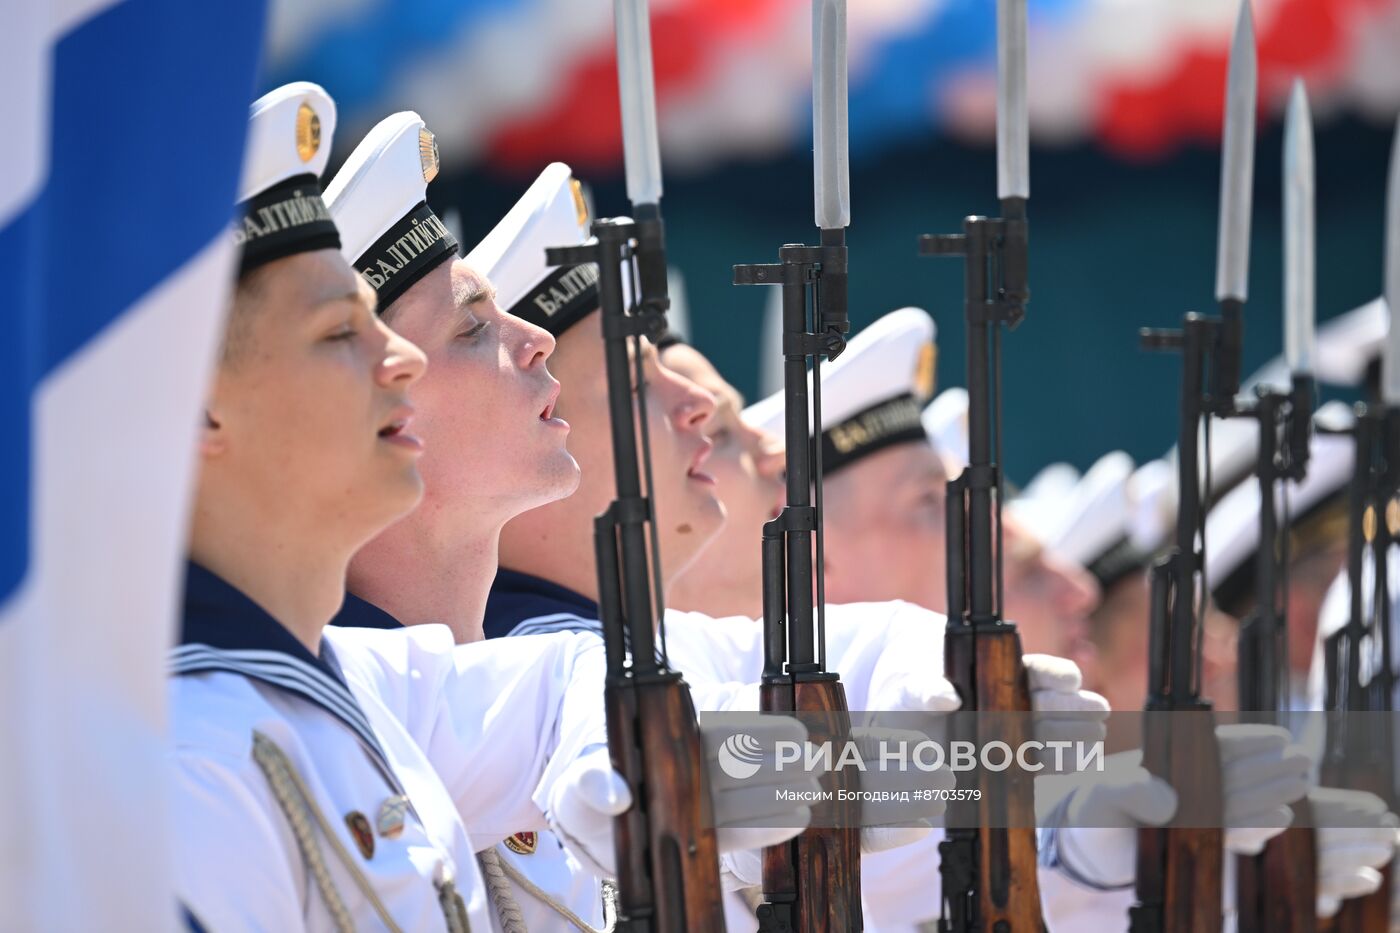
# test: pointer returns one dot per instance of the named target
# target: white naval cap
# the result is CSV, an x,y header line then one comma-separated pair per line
x,y
1094,518
1038,506
1232,527
1126,520
280,209
1152,515
1346,345
379,199
945,421
872,394
552,212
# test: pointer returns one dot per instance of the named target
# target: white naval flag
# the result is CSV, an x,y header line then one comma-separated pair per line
x,y
123,126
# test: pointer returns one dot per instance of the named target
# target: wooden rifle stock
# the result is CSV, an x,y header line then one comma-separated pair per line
x,y
668,862
986,665
812,882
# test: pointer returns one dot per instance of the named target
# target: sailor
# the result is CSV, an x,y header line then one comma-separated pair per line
x,y
886,488
881,372
1117,523
321,777
545,588
488,378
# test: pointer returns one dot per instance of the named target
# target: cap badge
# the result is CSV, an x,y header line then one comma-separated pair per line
x,y
523,843
428,153
926,371
358,825
308,132
391,815
580,205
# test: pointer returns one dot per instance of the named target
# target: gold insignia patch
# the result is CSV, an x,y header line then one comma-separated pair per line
x,y
1368,523
358,825
580,205
1392,516
926,371
523,843
428,153
390,818
308,132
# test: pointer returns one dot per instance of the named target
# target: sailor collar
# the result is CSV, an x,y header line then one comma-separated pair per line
x,y
522,601
361,613
224,630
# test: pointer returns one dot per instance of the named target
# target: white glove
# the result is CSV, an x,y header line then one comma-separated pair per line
x,y
1263,772
1356,837
1063,712
1097,841
921,692
906,803
581,809
750,812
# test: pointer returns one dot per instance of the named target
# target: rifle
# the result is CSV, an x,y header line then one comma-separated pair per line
x,y
989,873
1360,751
1277,889
1179,867
1362,755
667,855
812,882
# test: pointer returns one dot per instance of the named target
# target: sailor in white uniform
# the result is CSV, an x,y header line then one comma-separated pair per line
x,y
327,782
488,378
888,655
874,436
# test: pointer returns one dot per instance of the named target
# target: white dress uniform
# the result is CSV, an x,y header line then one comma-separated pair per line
x,y
397,739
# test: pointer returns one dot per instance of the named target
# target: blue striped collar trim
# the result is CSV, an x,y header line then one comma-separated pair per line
x,y
557,622
222,629
285,673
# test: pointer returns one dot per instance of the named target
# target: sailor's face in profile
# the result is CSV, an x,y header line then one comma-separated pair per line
x,y
688,509
486,405
311,403
748,465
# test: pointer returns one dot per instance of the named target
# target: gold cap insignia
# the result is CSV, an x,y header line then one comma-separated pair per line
x,y
358,825
427,153
580,205
523,843
308,132
926,372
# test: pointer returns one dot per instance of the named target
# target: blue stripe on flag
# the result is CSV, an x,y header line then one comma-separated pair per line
x,y
150,106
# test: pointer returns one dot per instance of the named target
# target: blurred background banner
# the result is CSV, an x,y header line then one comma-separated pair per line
x,y
1126,103
124,126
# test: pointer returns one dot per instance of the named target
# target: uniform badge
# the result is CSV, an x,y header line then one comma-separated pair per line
x,y
428,153
523,843
927,370
358,825
390,818
308,132
580,205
